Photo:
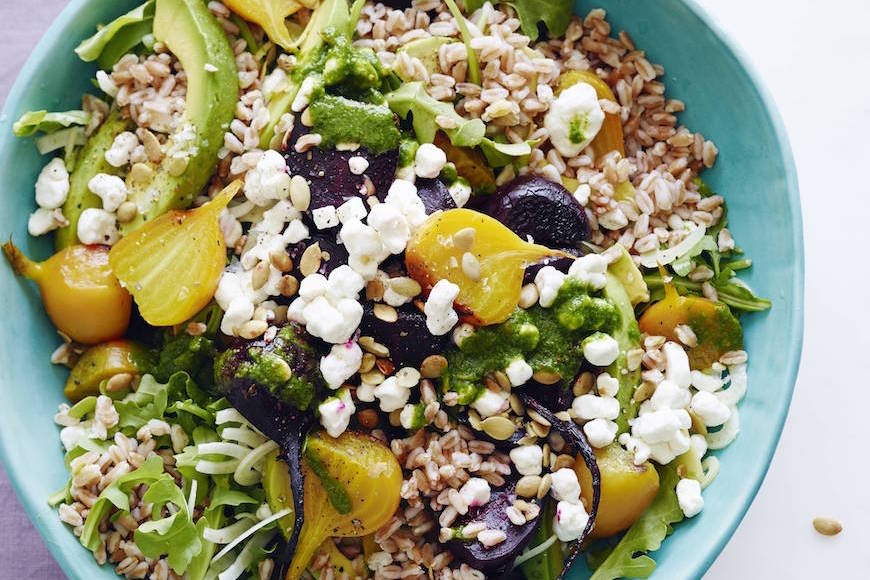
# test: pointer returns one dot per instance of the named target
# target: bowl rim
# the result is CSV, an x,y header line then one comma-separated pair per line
x,y
795,341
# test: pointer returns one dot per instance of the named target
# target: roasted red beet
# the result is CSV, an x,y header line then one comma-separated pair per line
x,y
561,264
433,193
408,338
534,206
329,175
493,515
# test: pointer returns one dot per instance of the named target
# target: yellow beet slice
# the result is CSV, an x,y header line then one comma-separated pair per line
x,y
433,254
172,264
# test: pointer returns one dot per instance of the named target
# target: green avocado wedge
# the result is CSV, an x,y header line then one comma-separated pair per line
x,y
194,36
91,161
627,335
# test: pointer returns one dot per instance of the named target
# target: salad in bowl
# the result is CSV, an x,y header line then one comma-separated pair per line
x,y
355,290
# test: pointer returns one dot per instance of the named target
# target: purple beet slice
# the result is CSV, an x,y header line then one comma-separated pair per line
x,y
408,339
337,253
433,193
492,514
536,207
329,176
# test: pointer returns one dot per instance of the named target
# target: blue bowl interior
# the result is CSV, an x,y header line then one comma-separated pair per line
x,y
755,172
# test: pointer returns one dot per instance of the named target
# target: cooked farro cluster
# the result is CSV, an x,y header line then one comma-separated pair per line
x,y
426,290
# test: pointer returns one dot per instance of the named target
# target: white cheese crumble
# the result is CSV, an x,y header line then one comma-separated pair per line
x,y
548,280
342,362
335,413
325,217
600,432
518,372
109,188
118,155
607,386
565,486
710,410
689,497
591,270
392,227
440,316
364,247
391,395
527,459
574,119
570,521
357,165
329,308
491,403
52,185
268,180
403,195
97,226
475,492
588,407
44,220
429,161
354,208
460,191
600,349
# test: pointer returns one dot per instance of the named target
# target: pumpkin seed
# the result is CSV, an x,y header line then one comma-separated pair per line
x,y
300,193
540,430
395,419
408,377
827,526
405,286
474,420
153,148
583,384
119,382
178,165
368,344
368,418
563,415
368,363
547,377
536,417
288,286
644,392
433,366
386,312
517,405
527,486
491,383
499,428
503,381
127,211
373,377
260,275
253,328
386,366
545,460
544,486
563,461
281,260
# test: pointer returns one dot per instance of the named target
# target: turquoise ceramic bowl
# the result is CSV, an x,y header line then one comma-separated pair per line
x,y
755,172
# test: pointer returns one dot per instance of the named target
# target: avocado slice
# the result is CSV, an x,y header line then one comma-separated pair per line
x,y
91,161
625,270
426,49
194,36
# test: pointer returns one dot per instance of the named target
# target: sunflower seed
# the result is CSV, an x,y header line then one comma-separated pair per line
x,y
499,428
528,485
827,526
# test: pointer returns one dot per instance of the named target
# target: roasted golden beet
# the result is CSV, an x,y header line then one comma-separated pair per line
x,y
102,362
626,489
81,295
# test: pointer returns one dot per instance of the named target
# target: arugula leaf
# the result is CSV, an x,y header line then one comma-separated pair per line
x,y
555,14
117,495
175,535
547,565
629,558
46,122
412,98
731,290
151,400
118,36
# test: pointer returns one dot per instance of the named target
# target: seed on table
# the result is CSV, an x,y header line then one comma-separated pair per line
x,y
281,260
386,313
288,286
368,418
499,428
260,275
528,485
127,211
827,526
300,193
464,238
309,263
433,366
471,266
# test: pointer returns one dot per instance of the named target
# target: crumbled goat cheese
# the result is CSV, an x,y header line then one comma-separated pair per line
x,y
329,308
97,226
548,280
357,165
118,155
296,232
565,486
268,180
574,119
659,434
607,386
364,247
704,382
392,227
698,445
52,185
429,161
460,191
518,372
590,269
677,364
527,459
669,396
491,403
406,417
440,316
710,410
689,496
342,362
303,97
391,395
109,188
43,221
231,228
600,432
570,521
403,195
600,349
325,217
589,406
335,413
354,208
237,312
475,492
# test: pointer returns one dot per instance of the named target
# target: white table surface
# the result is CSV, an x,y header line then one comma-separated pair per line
x,y
813,57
